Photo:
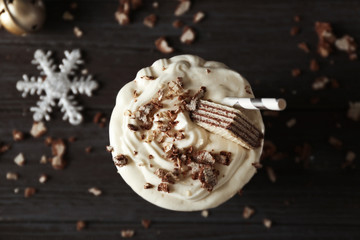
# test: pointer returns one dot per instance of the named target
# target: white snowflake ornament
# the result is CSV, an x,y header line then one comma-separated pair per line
x,y
57,85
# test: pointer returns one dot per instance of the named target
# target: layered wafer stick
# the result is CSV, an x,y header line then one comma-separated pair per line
x,y
257,103
227,122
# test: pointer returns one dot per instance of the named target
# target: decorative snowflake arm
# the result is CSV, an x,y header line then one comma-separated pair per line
x,y
71,62
43,108
70,110
45,64
83,85
30,85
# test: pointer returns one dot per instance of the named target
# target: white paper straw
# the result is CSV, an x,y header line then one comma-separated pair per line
x,y
275,104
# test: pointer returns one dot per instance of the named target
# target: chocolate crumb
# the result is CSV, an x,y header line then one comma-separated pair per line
x,y
72,139
95,191
78,32
109,148
135,153
208,71
43,159
38,129
183,7
267,223
163,46
48,141
349,159
303,46
148,186
353,112
297,18
29,191
248,212
155,5
177,24
151,156
326,38
67,16
12,176
58,147
335,142
122,15
88,149
271,174
198,17
133,127
146,223
290,123
257,165
295,72
80,225
294,31
120,160
4,148
164,187
320,83
188,35
150,20
97,117
43,178
20,159
205,213
58,163
17,135
127,233
314,65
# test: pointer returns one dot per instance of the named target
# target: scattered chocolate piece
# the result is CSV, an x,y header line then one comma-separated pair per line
x,y
97,117
122,15
177,24
267,223
12,176
109,148
295,72
248,212
314,65
95,191
204,157
291,123
148,186
78,32
326,38
208,177
67,16
271,174
133,127
43,159
208,71
163,46
297,18
72,139
148,77
335,142
48,141
58,147
17,135
198,17
150,20
164,187
136,4
43,178
165,175
146,223
58,163
303,46
320,83
151,156
257,165
188,35
120,160
349,159
294,31
205,213
223,158
80,225
29,191
127,233
20,159
347,44
354,111
38,129
4,148
16,190
155,5
88,149
183,7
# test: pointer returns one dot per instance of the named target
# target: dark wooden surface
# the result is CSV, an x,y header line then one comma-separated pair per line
x,y
321,201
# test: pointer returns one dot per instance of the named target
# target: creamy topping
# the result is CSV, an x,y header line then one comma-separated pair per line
x,y
146,151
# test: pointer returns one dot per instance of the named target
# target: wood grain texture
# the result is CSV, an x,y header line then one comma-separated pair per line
x,y
321,201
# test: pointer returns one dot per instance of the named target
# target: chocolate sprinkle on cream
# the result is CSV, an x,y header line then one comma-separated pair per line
x,y
120,160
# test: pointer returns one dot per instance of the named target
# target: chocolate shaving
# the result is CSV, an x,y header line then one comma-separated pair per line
x,y
146,223
303,46
188,35
127,233
192,106
29,191
165,175
4,148
80,225
177,24
148,77
204,157
148,186
133,127
326,38
120,160
163,46
122,14
198,17
17,135
183,7
208,177
223,158
150,20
